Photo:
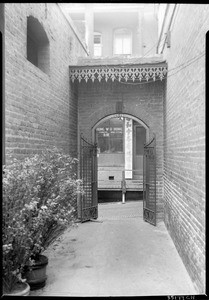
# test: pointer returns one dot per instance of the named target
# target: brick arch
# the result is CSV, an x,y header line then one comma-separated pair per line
x,y
142,116
37,28
104,113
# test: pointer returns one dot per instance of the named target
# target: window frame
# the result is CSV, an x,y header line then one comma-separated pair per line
x,y
100,44
32,41
38,41
117,30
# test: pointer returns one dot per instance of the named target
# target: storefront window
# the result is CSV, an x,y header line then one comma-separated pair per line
x,y
109,136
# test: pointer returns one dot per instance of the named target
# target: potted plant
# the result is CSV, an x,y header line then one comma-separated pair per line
x,y
14,239
48,191
13,283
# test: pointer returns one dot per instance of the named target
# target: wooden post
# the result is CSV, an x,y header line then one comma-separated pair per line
x,y
123,187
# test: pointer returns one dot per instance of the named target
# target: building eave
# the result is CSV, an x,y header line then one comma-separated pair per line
x,y
121,69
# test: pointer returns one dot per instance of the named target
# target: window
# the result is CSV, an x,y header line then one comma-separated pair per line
x,y
32,50
122,41
140,140
97,44
37,45
109,136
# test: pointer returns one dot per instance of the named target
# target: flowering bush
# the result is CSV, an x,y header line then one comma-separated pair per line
x,y
39,199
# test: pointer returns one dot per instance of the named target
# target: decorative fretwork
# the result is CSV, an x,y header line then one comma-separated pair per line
x,y
134,73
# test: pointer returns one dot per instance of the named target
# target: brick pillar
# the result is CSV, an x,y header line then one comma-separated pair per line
x,y
89,21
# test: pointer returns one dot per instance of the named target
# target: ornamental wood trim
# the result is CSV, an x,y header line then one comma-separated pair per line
x,y
119,73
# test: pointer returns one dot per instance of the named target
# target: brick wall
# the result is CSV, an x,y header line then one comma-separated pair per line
x,y
40,108
184,139
145,102
1,17
3,73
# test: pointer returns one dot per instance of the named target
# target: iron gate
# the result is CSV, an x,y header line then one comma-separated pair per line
x,y
149,182
88,175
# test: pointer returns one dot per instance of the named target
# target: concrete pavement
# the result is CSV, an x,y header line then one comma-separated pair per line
x,y
118,255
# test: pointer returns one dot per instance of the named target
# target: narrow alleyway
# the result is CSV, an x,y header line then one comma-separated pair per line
x,y
117,255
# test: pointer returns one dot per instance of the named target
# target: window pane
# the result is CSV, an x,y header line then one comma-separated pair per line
x,y
118,46
122,41
140,140
126,45
97,50
103,144
32,51
97,44
97,39
109,136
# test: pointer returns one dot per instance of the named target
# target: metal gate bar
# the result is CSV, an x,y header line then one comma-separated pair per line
x,y
149,182
88,175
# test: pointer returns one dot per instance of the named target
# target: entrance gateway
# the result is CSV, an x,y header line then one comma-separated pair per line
x,y
120,155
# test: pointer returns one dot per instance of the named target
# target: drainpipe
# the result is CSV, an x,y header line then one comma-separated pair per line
x,y
161,32
168,30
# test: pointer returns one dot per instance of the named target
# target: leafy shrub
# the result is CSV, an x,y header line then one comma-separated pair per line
x,y
39,198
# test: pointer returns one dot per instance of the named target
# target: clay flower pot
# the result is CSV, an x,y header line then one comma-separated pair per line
x,y
20,289
36,277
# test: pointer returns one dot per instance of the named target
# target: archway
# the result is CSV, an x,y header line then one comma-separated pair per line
x,y
120,142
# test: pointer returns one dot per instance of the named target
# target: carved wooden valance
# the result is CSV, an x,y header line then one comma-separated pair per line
x,y
119,73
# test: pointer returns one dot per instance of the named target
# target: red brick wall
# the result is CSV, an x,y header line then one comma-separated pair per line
x,y
40,108
184,139
145,101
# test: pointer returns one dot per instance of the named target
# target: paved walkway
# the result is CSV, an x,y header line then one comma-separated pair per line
x,y
117,255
